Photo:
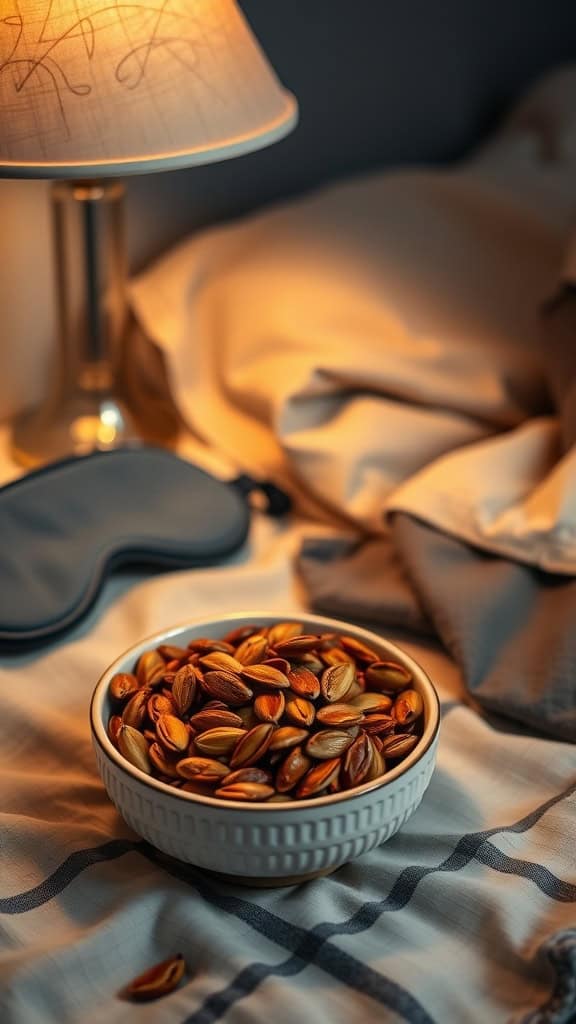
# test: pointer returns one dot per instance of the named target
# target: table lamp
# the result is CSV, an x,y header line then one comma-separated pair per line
x,y
93,91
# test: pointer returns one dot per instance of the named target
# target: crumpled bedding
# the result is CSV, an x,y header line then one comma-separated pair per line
x,y
377,344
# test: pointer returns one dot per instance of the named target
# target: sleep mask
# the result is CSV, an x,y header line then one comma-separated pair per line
x,y
66,527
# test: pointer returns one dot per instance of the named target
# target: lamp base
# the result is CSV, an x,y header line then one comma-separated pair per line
x,y
82,425
109,386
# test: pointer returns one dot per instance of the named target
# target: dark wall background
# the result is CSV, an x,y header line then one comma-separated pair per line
x,y
379,82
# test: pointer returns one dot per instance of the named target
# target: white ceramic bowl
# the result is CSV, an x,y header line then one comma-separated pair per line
x,y
266,843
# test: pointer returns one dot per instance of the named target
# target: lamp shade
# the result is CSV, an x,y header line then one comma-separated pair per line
x,y
105,87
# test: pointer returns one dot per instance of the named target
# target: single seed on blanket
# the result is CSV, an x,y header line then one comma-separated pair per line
x,y
358,650
218,742
304,683
293,768
161,762
328,743
296,646
377,724
370,701
336,681
172,733
300,711
340,715
319,778
357,761
269,707
158,981
150,668
184,689
218,660
286,737
252,650
282,631
267,676
408,706
399,745
134,711
134,748
215,718
252,746
247,791
388,676
227,687
122,686
248,775
158,704
202,769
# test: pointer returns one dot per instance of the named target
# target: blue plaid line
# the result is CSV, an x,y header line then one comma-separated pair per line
x,y
73,866
343,968
549,884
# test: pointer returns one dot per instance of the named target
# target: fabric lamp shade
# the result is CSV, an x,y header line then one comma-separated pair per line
x,y
94,88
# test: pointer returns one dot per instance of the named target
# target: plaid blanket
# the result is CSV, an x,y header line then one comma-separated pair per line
x,y
466,915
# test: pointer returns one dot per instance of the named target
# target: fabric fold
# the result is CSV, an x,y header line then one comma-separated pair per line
x,y
510,628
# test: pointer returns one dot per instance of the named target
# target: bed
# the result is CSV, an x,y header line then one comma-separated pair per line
x,y
468,913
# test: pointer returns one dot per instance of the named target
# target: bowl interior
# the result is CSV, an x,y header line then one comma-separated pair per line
x,y
101,707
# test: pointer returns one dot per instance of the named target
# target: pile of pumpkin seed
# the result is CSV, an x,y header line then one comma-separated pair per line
x,y
265,714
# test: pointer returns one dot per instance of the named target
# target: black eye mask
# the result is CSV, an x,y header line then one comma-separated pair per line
x,y
64,528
